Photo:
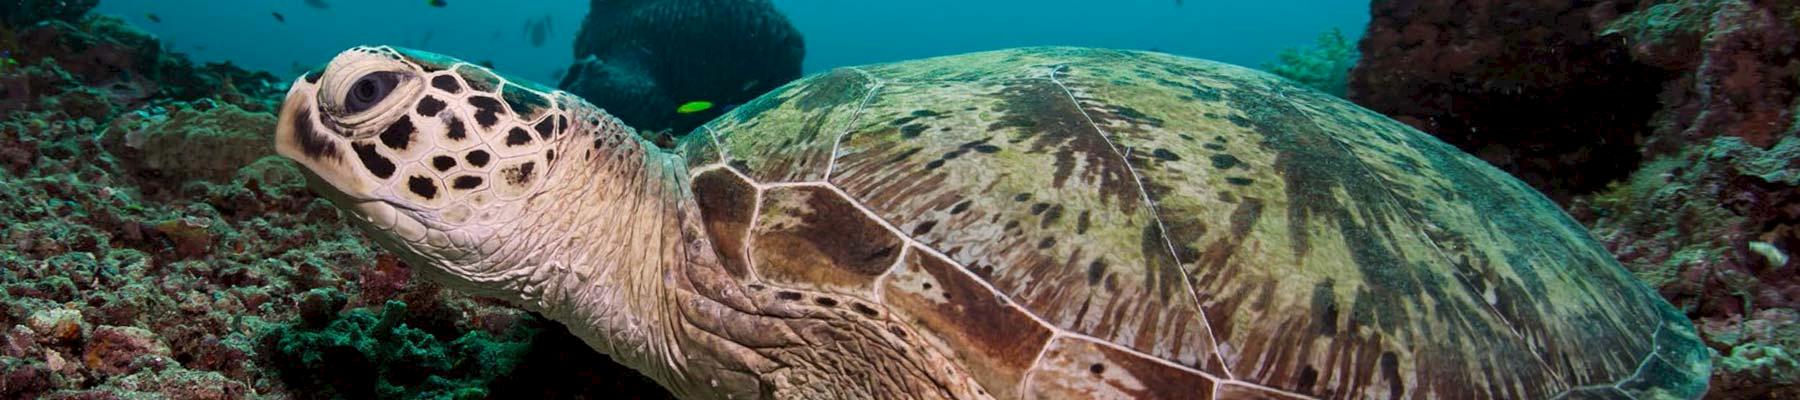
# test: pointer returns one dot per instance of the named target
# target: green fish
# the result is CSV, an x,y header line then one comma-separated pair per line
x,y
437,3
694,107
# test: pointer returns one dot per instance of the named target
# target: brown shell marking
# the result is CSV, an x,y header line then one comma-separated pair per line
x,y
1074,368
985,187
809,235
997,343
1217,224
796,126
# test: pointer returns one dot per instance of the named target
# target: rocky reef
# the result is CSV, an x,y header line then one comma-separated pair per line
x,y
641,60
153,247
1670,127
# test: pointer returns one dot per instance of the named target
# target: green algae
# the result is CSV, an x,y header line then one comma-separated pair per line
x,y
368,353
1324,66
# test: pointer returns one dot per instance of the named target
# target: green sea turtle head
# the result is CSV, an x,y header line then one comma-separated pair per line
x,y
439,160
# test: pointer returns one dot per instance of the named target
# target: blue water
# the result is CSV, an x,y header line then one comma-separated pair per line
x,y
838,32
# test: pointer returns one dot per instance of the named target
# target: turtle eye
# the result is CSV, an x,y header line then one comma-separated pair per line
x,y
369,90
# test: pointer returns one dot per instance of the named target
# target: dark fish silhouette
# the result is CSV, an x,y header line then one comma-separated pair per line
x,y
538,31
437,3
153,18
278,17
319,4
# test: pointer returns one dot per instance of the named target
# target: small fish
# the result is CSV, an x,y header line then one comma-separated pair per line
x,y
279,18
437,3
486,63
153,18
694,107
319,4
749,85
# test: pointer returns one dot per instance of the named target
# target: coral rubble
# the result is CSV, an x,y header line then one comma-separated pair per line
x,y
153,247
1670,127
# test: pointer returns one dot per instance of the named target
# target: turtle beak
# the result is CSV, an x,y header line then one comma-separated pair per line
x,y
327,157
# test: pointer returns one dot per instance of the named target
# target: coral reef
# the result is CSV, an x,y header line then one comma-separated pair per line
x,y
155,248
1670,127
1324,66
642,59
21,12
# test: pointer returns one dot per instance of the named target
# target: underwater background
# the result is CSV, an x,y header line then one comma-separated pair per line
x,y
152,245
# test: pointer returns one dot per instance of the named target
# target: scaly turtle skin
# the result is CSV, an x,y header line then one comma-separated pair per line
x,y
1043,223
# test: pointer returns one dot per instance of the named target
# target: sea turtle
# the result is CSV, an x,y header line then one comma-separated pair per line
x,y
1041,222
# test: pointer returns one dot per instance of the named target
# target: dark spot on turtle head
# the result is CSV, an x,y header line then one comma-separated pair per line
x,y
524,102
926,114
864,309
477,158
487,110
550,155
1039,208
546,128
377,165
1214,146
422,186
1046,243
521,174
446,83
1165,155
429,106
1097,368
312,143
443,163
1082,223
1224,161
756,287
787,295
465,182
398,134
987,149
1022,197
912,130
455,129
517,137
897,331
927,286
934,164
312,76
826,301
1239,181
479,79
